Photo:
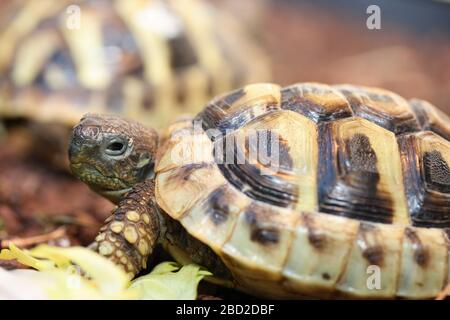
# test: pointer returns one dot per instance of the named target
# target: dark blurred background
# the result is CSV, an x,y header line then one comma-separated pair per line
x,y
328,41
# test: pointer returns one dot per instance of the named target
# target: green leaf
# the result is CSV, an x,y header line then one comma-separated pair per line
x,y
165,267
165,283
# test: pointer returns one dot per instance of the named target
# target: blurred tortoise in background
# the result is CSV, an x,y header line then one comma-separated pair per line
x,y
148,60
362,182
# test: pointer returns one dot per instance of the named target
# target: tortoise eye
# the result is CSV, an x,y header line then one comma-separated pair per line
x,y
116,148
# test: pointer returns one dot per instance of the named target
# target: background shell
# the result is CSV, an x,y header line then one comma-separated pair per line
x,y
150,60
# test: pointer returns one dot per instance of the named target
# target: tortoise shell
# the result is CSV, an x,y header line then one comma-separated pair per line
x,y
362,182
157,58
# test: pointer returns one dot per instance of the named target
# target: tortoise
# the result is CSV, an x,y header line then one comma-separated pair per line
x,y
360,190
148,60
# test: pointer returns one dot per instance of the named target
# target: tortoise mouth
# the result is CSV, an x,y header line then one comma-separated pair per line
x,y
96,179
111,187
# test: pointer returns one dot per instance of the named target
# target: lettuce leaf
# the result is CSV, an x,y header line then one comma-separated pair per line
x,y
168,281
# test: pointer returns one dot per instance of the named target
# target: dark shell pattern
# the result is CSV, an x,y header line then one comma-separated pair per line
x,y
362,186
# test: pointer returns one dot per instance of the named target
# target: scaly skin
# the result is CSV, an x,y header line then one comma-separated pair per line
x,y
132,231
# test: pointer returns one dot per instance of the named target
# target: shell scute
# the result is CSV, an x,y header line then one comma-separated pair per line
x,y
426,162
316,101
361,172
383,107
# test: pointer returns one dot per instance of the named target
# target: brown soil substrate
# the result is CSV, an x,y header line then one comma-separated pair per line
x,y
36,199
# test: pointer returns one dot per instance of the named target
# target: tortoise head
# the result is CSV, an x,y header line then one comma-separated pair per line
x,y
111,154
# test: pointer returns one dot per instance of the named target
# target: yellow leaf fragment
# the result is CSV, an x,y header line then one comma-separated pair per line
x,y
109,278
24,257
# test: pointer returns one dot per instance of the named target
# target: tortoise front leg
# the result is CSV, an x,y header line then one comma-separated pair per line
x,y
132,231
